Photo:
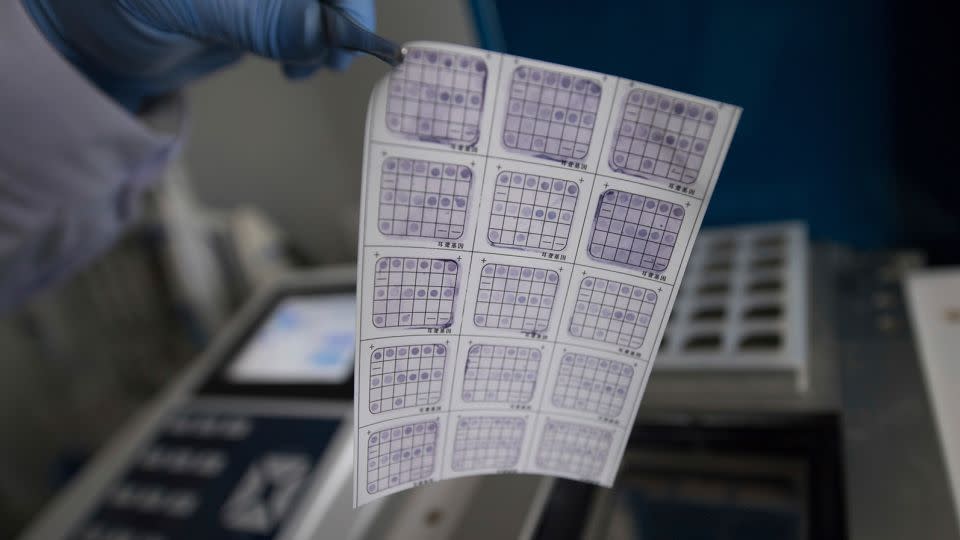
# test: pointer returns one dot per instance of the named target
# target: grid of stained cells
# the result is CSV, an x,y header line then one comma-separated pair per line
x,y
612,312
635,231
515,297
400,455
414,292
662,136
576,449
437,96
406,376
500,373
551,114
423,199
532,212
487,442
593,385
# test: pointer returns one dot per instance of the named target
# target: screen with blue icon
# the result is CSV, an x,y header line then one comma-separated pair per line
x,y
307,339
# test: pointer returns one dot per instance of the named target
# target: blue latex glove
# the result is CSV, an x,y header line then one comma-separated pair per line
x,y
137,49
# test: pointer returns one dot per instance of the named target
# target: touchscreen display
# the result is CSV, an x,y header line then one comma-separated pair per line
x,y
305,340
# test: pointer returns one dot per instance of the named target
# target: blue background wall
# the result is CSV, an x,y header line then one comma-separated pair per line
x,y
813,78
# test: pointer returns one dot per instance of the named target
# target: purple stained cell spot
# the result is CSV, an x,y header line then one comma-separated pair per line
x,y
709,115
451,266
475,100
539,213
572,189
558,115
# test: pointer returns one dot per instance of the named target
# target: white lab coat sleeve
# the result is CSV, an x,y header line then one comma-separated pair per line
x,y
73,163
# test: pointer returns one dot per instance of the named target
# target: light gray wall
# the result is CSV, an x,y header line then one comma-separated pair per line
x,y
294,149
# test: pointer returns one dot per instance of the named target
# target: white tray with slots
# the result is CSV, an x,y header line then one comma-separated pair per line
x,y
742,307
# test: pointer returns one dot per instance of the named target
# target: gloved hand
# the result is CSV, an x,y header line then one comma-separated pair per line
x,y
137,49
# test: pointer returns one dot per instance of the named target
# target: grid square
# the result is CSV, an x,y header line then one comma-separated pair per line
x,y
551,114
401,455
573,448
539,208
437,96
590,384
414,292
406,376
662,137
634,231
423,199
515,297
612,312
499,373
488,442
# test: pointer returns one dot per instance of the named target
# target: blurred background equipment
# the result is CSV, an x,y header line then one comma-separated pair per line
x,y
821,428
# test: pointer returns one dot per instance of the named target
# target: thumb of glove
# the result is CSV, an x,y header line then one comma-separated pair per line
x,y
286,30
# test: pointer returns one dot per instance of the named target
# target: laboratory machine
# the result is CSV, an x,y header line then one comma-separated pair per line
x,y
784,404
